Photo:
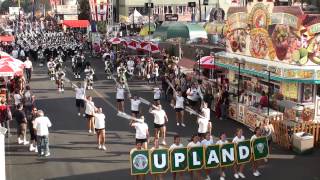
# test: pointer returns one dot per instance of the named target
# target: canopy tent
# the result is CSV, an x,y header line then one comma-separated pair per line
x,y
13,61
4,54
10,69
6,38
135,17
170,30
76,23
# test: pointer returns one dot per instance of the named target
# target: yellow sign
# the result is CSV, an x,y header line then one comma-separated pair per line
x,y
302,74
289,90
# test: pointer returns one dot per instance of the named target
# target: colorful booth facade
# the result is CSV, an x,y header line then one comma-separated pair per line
x,y
271,50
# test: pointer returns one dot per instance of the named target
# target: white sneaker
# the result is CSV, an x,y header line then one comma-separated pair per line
x,y
47,154
59,90
90,131
164,143
241,175
25,142
36,150
31,148
79,114
83,115
236,175
104,148
20,141
62,89
178,124
94,132
221,178
256,173
99,147
183,125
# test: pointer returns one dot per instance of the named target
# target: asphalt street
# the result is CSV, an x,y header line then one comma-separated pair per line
x,y
74,154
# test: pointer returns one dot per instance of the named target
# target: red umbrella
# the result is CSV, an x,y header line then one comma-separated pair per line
x,y
116,40
9,69
133,44
150,47
12,61
207,62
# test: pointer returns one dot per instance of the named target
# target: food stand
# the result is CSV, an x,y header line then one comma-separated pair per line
x,y
270,50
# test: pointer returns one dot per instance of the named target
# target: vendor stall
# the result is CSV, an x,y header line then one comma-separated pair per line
x,y
272,62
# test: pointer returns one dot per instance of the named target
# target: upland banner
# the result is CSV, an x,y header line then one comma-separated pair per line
x,y
195,158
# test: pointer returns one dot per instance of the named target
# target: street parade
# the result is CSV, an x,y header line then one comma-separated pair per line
x,y
178,90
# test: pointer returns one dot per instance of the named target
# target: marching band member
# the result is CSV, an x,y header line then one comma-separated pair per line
x,y
89,72
51,69
120,96
60,75
160,120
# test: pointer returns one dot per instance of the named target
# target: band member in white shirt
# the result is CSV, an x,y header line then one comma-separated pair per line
x,y
238,169
28,68
135,103
80,96
142,131
194,142
156,95
179,107
203,123
100,126
90,108
255,164
160,119
120,96
176,144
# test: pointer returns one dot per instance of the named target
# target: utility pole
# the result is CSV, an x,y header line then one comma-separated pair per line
x,y
200,19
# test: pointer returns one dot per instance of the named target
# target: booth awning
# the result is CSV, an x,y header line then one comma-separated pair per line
x,y
6,38
282,71
76,23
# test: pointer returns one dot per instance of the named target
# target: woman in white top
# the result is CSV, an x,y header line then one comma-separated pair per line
x,y
223,140
89,111
158,176
208,141
100,128
238,169
255,164
179,108
135,103
194,143
156,95
142,131
176,144
120,96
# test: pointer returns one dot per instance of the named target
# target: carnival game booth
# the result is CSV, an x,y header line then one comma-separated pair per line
x,y
273,66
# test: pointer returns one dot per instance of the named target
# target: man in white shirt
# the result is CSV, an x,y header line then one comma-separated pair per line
x,y
142,131
160,118
80,96
41,125
28,67
135,103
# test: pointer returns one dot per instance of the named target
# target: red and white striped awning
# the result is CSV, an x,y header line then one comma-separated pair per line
x,y
9,69
116,40
150,47
133,44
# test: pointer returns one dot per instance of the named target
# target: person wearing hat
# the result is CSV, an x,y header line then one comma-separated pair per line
x,y
142,131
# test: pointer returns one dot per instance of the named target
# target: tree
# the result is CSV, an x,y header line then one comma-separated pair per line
x,y
84,9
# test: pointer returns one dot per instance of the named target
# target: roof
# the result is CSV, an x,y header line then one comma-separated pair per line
x,y
6,38
294,10
76,23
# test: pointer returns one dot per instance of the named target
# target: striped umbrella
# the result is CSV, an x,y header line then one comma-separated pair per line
x,y
133,44
4,54
9,69
116,40
150,47
207,62
12,61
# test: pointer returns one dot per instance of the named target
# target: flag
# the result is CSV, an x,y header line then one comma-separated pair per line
x,y
100,9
